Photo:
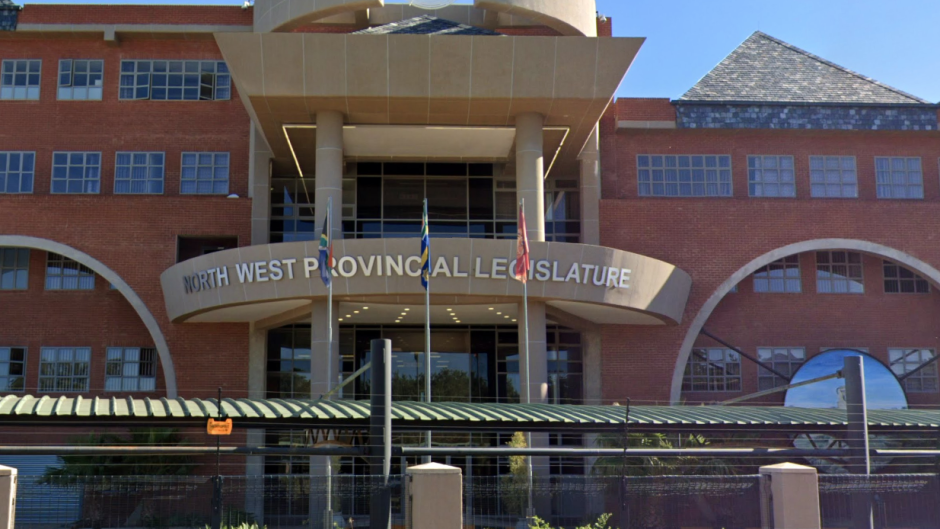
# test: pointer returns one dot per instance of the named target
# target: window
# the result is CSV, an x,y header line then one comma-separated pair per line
x,y
289,362
900,280
785,360
770,176
139,173
839,273
76,172
14,268
131,369
564,366
562,211
63,273
684,176
899,177
293,210
903,361
80,79
16,171
204,173
190,247
712,370
12,368
175,80
782,275
833,177
64,369
19,79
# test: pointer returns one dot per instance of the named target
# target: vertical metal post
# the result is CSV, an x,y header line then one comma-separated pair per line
x,y
857,437
380,432
527,389
328,512
217,480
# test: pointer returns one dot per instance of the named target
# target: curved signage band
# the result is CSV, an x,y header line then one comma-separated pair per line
x,y
599,284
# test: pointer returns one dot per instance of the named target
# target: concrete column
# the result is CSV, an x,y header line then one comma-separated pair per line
x,y
591,190
530,172
593,394
329,173
8,479
434,497
789,497
322,371
254,465
259,187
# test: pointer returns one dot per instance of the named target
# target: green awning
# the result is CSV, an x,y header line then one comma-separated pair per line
x,y
407,415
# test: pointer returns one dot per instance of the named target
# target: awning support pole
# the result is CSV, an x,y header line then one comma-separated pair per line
x,y
857,437
380,432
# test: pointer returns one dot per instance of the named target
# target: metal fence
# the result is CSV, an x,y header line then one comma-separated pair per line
x,y
908,501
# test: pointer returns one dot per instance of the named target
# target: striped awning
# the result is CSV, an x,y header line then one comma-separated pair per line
x,y
407,415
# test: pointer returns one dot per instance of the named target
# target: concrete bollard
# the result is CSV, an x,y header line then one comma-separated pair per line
x,y
7,497
434,497
789,497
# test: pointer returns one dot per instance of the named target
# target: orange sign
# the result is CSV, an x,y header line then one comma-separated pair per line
x,y
214,427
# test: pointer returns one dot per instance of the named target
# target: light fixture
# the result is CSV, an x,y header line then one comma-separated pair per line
x,y
349,315
507,317
515,320
407,309
404,313
365,308
341,319
355,312
458,321
499,313
491,308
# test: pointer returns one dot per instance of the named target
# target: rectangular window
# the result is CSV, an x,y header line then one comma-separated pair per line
x,y
14,268
712,370
64,369
19,79
770,176
785,360
80,80
833,177
131,369
17,171
684,176
12,368
562,211
899,177
63,273
76,172
204,173
175,80
903,361
782,275
139,173
839,272
900,280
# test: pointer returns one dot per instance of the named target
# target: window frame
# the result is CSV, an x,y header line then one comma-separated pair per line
x,y
212,181
71,88
148,167
16,269
755,183
5,170
85,180
5,378
905,353
123,363
813,185
792,365
81,272
27,86
679,181
899,280
144,79
891,171
55,376
833,277
689,376
787,265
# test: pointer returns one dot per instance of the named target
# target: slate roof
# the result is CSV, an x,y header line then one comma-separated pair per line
x,y
426,25
6,3
768,70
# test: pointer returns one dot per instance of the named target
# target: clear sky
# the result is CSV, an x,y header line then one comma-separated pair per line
x,y
892,41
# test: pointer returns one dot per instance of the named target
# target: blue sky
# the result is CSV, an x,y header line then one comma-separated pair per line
x,y
889,40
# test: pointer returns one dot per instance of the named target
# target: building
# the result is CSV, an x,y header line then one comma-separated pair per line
x,y
168,170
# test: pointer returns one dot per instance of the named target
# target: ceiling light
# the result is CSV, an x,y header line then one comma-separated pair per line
x,y
507,317
491,308
365,308
355,312
515,320
349,315
499,313
458,321
341,319
404,313
406,310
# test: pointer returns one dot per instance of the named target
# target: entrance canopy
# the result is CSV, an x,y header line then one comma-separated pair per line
x,y
454,416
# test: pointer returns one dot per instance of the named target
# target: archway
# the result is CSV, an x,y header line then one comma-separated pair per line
x,y
928,272
163,350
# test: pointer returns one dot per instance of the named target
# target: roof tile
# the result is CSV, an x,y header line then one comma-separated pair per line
x,y
426,25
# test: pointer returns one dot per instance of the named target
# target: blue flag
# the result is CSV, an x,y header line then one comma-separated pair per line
x,y
425,248
326,248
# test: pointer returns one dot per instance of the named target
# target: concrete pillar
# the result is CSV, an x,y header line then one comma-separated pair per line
x,y
530,172
591,190
434,497
254,465
329,172
8,481
789,497
322,372
593,395
259,187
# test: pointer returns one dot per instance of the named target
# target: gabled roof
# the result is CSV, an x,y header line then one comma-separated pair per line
x,y
767,70
426,25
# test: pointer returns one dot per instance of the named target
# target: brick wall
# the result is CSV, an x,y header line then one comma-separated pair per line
x,y
135,14
644,109
711,238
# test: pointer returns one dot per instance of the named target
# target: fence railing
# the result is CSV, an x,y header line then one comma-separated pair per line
x,y
908,501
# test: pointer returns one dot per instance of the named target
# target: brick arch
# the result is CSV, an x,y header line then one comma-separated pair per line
x,y
704,313
163,350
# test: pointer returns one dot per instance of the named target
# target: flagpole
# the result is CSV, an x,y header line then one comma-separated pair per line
x,y
527,389
427,334
328,515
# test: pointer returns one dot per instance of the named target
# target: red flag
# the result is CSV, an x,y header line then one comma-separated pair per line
x,y
521,271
